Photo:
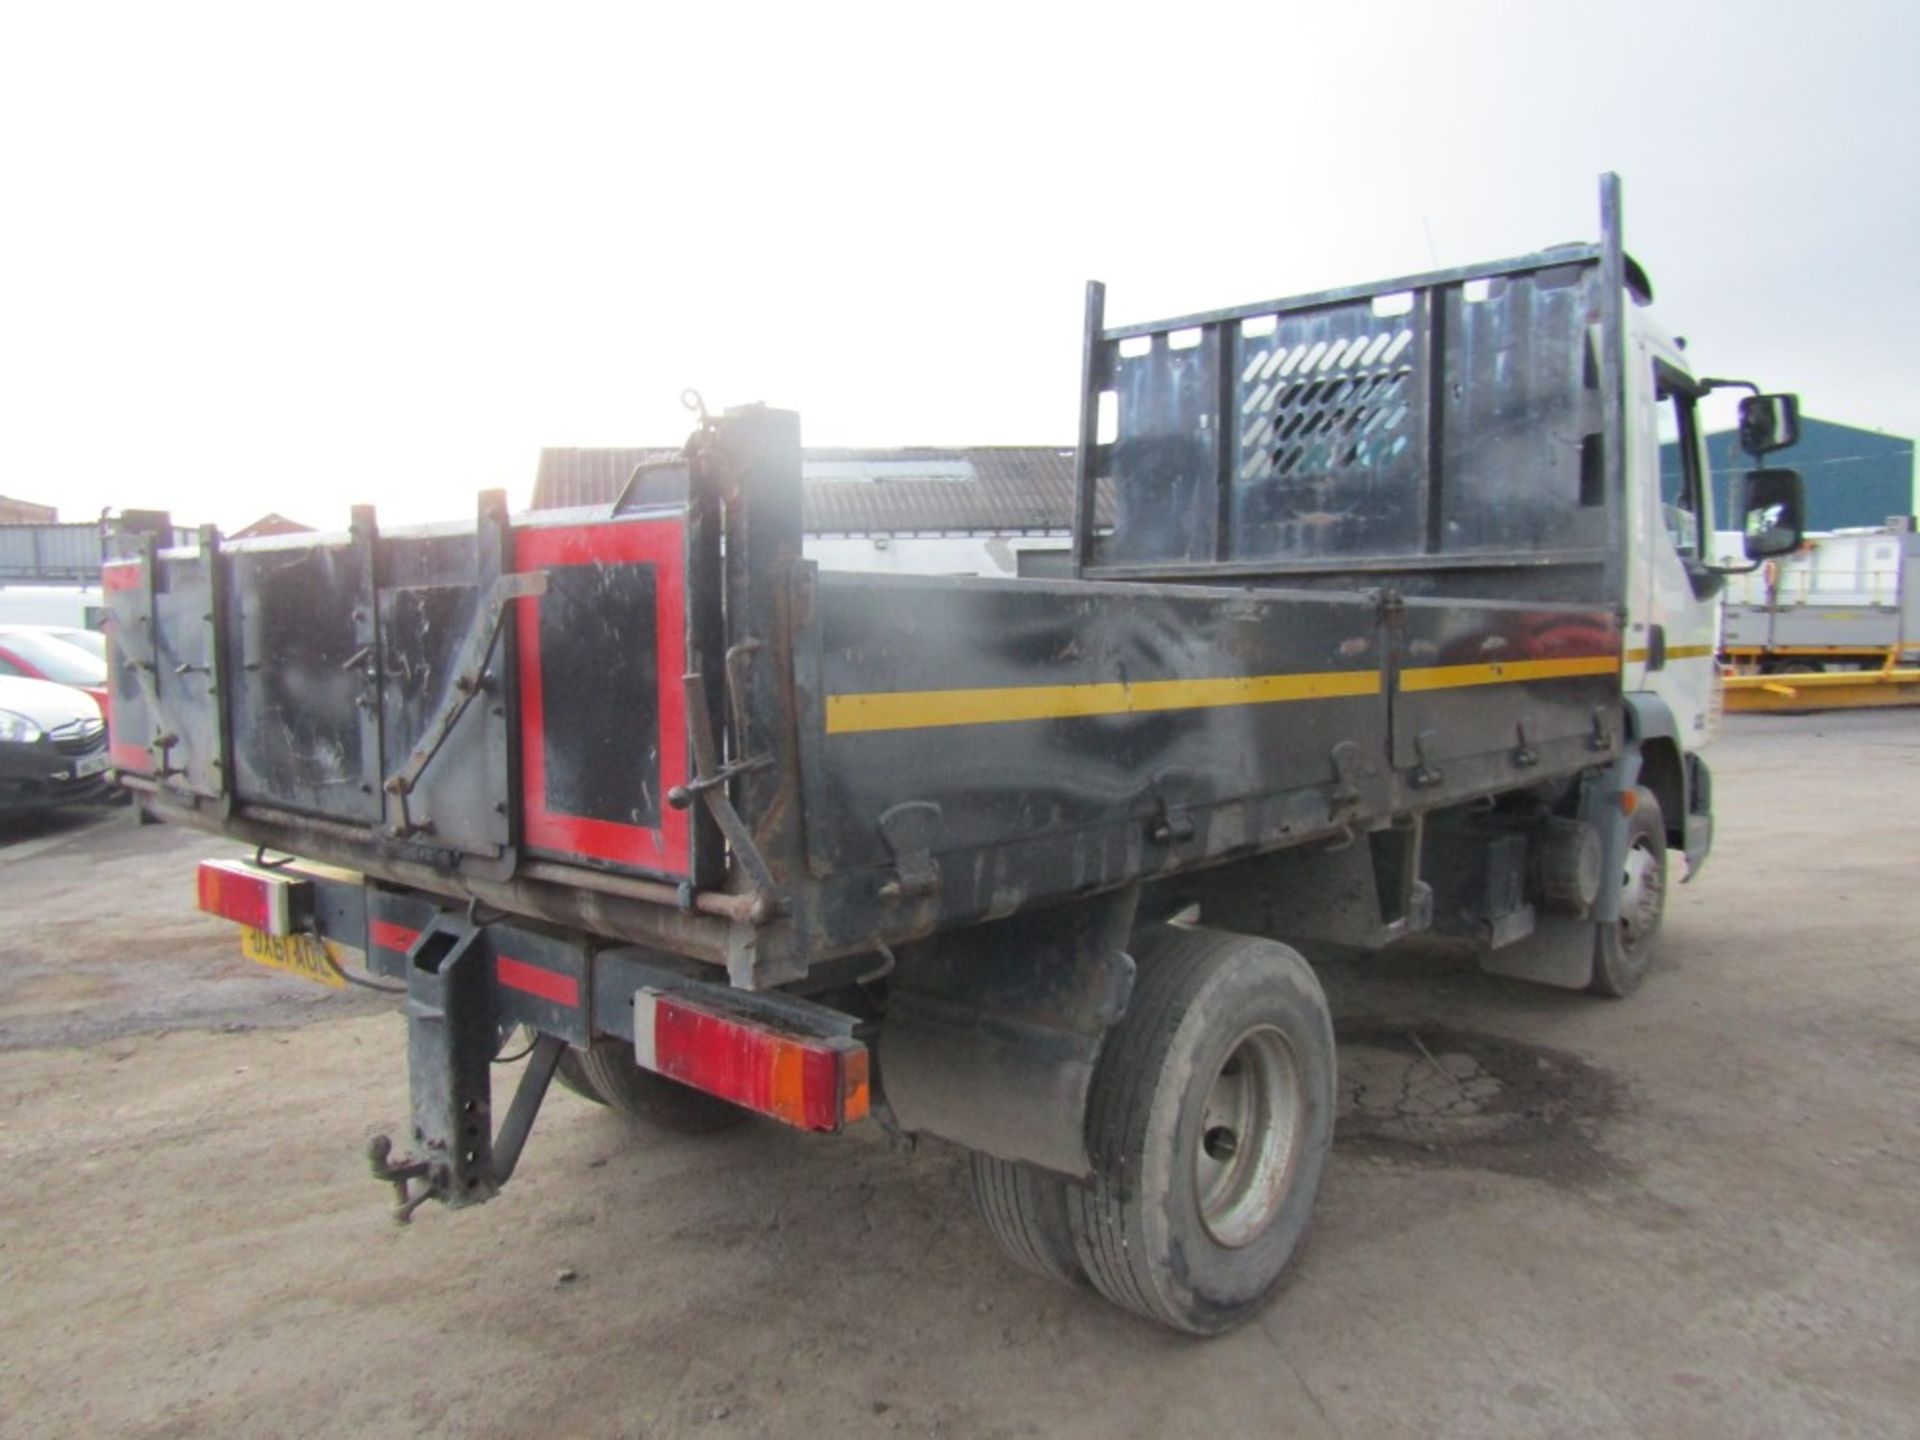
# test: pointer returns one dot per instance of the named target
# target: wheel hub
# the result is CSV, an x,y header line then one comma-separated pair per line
x,y
1249,1133
1640,883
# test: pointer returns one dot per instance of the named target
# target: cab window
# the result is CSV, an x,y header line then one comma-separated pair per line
x,y
1682,483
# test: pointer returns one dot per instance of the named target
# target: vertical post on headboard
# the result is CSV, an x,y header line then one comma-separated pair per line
x,y
1613,377
1092,376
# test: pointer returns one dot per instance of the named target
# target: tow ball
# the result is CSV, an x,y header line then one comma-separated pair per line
x,y
474,1166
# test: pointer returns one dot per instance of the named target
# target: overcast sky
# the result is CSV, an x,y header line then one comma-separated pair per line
x,y
271,258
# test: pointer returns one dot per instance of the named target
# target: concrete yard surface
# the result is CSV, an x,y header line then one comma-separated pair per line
x,y
1692,1213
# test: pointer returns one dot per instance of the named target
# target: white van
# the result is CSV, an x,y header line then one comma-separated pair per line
x,y
76,605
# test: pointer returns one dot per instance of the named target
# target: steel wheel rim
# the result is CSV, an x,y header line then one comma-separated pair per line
x,y
1249,1135
1640,888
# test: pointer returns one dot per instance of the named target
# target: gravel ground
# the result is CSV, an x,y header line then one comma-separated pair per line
x,y
1692,1213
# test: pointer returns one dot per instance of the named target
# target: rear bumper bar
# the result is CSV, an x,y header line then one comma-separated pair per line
x,y
470,979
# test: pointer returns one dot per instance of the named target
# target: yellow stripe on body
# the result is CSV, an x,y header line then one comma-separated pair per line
x,y
1639,654
1454,677
928,709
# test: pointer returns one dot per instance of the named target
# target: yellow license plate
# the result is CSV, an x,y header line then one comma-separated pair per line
x,y
307,956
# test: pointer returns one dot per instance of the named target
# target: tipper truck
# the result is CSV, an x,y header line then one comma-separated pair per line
x,y
1391,631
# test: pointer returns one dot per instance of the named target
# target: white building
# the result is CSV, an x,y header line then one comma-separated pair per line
x,y
978,510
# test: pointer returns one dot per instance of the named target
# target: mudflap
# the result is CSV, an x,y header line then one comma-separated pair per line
x,y
1559,952
992,1032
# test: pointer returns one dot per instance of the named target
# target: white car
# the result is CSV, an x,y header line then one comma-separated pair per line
x,y
53,747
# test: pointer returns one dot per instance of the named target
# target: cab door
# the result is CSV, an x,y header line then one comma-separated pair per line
x,y
1674,605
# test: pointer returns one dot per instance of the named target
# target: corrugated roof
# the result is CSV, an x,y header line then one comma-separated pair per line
x,y
866,492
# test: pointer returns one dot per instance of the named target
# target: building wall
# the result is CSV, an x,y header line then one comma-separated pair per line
x,y
1854,477
927,554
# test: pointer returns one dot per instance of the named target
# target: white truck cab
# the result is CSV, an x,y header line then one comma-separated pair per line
x,y
1673,582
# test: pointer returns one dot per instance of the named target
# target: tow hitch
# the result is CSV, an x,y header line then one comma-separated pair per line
x,y
504,1151
467,989
454,1030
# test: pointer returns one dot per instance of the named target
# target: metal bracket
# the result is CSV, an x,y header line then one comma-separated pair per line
x,y
1345,795
1525,756
910,831
739,657
710,784
1172,823
469,683
739,660
1426,774
1602,736
162,747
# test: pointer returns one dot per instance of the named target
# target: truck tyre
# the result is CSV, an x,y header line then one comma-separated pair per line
x,y
1623,950
571,1075
617,1080
1025,1209
1208,1125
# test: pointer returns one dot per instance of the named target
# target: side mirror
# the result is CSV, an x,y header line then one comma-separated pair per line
x,y
1769,423
1773,508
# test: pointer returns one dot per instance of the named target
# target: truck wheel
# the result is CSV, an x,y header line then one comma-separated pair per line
x,y
572,1076
617,1080
1025,1209
1208,1125
1623,950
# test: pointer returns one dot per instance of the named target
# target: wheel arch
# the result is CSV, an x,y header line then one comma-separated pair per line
x,y
1663,768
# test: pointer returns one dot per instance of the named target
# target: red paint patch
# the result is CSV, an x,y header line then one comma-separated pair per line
x,y
385,935
120,575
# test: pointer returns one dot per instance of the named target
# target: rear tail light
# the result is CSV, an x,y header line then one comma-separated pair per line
x,y
236,891
811,1082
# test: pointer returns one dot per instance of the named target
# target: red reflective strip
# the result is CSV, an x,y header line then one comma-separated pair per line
x,y
797,1081
536,980
386,935
661,544
120,575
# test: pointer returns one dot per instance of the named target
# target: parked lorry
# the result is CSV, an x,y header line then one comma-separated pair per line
x,y
1845,599
1388,635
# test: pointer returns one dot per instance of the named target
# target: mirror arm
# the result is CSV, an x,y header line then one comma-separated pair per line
x,y
1747,569
1708,383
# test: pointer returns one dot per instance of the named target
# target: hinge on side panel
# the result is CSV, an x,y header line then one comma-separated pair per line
x,y
910,831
